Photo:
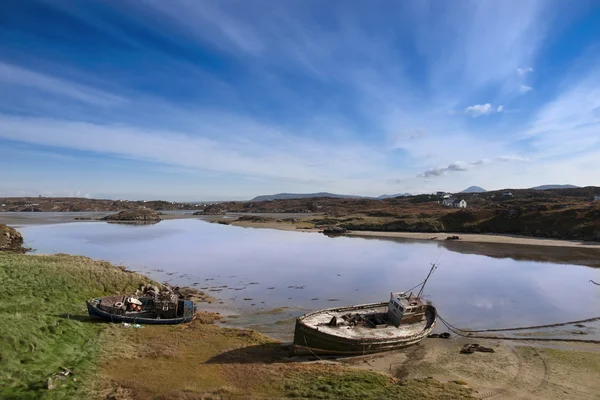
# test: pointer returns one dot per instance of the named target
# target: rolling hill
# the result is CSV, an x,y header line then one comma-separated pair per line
x,y
288,196
546,187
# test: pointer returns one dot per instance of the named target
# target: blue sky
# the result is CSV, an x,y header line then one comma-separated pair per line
x,y
201,100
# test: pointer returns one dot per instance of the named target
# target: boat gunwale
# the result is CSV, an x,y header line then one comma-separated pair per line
x,y
345,308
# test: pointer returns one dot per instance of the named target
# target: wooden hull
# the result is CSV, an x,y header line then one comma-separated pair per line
x,y
309,339
95,312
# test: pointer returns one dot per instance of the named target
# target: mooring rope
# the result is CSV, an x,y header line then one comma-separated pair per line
x,y
467,333
522,328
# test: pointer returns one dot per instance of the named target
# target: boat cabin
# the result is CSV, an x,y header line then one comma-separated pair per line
x,y
405,308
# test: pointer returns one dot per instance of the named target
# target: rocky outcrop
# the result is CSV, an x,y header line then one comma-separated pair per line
x,y
10,239
210,212
140,215
334,230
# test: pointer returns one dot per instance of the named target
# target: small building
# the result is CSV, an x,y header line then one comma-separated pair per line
x,y
451,202
507,194
596,198
460,203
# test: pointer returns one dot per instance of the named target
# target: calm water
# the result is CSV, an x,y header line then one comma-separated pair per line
x,y
263,269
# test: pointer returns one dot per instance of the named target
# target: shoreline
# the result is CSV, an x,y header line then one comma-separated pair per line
x,y
240,362
435,236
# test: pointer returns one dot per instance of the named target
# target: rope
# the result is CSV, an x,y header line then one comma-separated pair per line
x,y
521,328
459,332
414,287
309,349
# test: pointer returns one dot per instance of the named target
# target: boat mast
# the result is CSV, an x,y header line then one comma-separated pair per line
x,y
433,267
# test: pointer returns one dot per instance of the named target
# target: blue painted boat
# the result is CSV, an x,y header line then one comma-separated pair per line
x,y
152,313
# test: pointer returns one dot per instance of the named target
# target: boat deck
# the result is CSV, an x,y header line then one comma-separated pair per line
x,y
320,321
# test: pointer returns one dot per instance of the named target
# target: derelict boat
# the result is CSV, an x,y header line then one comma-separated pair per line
x,y
369,328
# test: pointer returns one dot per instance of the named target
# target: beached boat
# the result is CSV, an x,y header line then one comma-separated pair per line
x,y
152,311
369,328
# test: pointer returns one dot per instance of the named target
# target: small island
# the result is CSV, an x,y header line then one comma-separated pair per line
x,y
139,215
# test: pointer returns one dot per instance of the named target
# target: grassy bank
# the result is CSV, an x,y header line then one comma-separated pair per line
x,y
43,325
203,361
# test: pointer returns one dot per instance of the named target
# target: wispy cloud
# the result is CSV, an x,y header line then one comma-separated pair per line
x,y
297,94
524,71
15,75
461,166
457,166
525,88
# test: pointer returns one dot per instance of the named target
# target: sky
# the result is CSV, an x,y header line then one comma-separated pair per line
x,y
216,100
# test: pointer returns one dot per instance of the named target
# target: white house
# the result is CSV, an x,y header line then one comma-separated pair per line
x,y
596,198
460,203
454,203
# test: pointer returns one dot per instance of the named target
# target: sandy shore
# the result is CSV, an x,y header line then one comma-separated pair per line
x,y
481,238
464,237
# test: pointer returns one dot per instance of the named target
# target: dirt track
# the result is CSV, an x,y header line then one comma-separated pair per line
x,y
516,370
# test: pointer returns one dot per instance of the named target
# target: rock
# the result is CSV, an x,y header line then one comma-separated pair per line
x,y
473,347
10,239
334,230
50,385
139,215
453,238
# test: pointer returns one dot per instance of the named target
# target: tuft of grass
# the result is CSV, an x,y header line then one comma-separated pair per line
x,y
44,324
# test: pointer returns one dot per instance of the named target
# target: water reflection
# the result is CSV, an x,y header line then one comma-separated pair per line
x,y
264,269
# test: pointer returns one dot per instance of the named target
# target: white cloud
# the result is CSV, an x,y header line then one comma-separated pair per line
x,y
500,108
512,158
524,71
525,88
479,109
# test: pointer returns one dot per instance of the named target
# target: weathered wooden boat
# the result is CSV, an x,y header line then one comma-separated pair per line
x,y
368,328
154,311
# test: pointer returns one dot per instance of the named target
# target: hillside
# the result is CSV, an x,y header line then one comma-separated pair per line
x,y
391,196
76,204
287,196
546,187
553,213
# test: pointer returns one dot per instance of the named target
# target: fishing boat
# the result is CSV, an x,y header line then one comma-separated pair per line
x,y
368,328
147,310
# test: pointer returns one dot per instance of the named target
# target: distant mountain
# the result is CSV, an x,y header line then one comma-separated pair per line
x,y
545,187
287,196
474,189
391,196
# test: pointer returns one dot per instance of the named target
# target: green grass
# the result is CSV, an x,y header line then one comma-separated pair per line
x,y
43,325
364,385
